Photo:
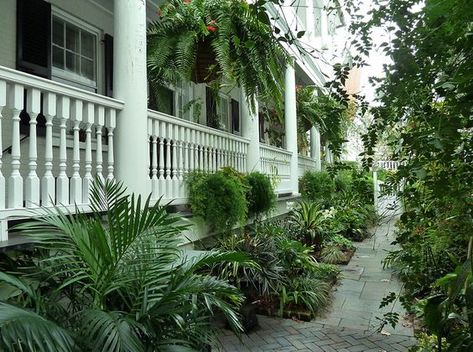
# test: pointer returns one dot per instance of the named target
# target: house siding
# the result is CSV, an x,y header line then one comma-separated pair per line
x,y
8,33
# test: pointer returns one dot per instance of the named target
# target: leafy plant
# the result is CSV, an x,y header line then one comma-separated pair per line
x,y
261,197
234,40
112,281
309,219
332,254
317,186
306,291
218,198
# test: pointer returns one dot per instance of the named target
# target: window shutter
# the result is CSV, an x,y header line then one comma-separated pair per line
x,y
34,37
235,116
211,108
108,48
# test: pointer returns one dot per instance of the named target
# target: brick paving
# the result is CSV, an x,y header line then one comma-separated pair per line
x,y
351,323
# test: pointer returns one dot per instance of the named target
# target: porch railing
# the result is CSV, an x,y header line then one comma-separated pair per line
x,y
388,165
177,146
54,139
305,163
275,162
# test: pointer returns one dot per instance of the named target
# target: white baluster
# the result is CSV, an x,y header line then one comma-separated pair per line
x,y
207,153
111,124
238,156
161,134
88,118
33,108
212,153
99,152
180,169
149,186
174,160
168,162
200,143
193,151
187,151
15,182
62,190
76,181
48,187
3,103
225,152
154,161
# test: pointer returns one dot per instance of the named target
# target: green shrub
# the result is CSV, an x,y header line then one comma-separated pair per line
x,y
112,280
260,196
343,181
317,186
219,198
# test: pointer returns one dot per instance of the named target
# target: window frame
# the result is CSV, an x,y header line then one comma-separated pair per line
x,y
72,77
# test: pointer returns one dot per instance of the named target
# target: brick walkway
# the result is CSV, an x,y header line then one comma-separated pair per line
x,y
350,324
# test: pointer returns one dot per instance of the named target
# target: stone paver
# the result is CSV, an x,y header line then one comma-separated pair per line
x,y
351,323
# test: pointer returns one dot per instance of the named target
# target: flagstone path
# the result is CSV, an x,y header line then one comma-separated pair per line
x,y
351,323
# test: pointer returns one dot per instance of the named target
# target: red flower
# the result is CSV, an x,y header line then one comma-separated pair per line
x,y
187,1
159,13
211,27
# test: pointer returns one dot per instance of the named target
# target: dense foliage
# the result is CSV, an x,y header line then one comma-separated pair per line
x,y
425,103
226,198
111,281
339,202
284,278
260,196
218,198
232,39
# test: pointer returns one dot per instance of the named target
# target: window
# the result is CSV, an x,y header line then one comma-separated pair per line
x,y
74,52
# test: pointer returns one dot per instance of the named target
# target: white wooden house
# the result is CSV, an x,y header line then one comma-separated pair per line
x,y
74,106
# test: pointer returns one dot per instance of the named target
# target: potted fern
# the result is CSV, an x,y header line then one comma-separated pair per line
x,y
217,40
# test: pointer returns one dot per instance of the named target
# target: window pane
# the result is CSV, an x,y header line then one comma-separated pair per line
x,y
58,57
88,43
58,32
72,62
72,38
87,68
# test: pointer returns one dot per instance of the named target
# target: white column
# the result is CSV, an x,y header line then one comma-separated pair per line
x,y
250,130
290,118
315,147
3,103
130,85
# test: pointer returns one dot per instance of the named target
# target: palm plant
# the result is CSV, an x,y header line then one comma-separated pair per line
x,y
309,218
113,281
217,40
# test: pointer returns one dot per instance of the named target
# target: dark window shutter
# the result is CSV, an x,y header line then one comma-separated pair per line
x,y
235,116
211,108
161,99
108,48
33,39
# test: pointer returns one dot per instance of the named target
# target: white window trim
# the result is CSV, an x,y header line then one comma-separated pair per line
x,y
71,77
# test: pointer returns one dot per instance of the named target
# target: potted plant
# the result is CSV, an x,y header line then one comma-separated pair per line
x,y
218,40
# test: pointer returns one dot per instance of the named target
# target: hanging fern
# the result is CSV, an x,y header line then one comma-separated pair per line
x,y
237,34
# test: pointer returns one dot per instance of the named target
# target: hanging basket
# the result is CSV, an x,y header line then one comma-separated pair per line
x,y
206,66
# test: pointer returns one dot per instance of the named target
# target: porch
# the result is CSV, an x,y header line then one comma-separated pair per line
x,y
56,139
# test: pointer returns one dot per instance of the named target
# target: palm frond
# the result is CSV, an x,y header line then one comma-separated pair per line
x,y
22,330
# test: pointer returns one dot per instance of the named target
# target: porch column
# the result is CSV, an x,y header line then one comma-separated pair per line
x,y
290,118
315,147
250,130
130,86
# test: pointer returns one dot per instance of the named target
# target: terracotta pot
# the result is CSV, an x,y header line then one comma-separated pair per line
x,y
206,65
